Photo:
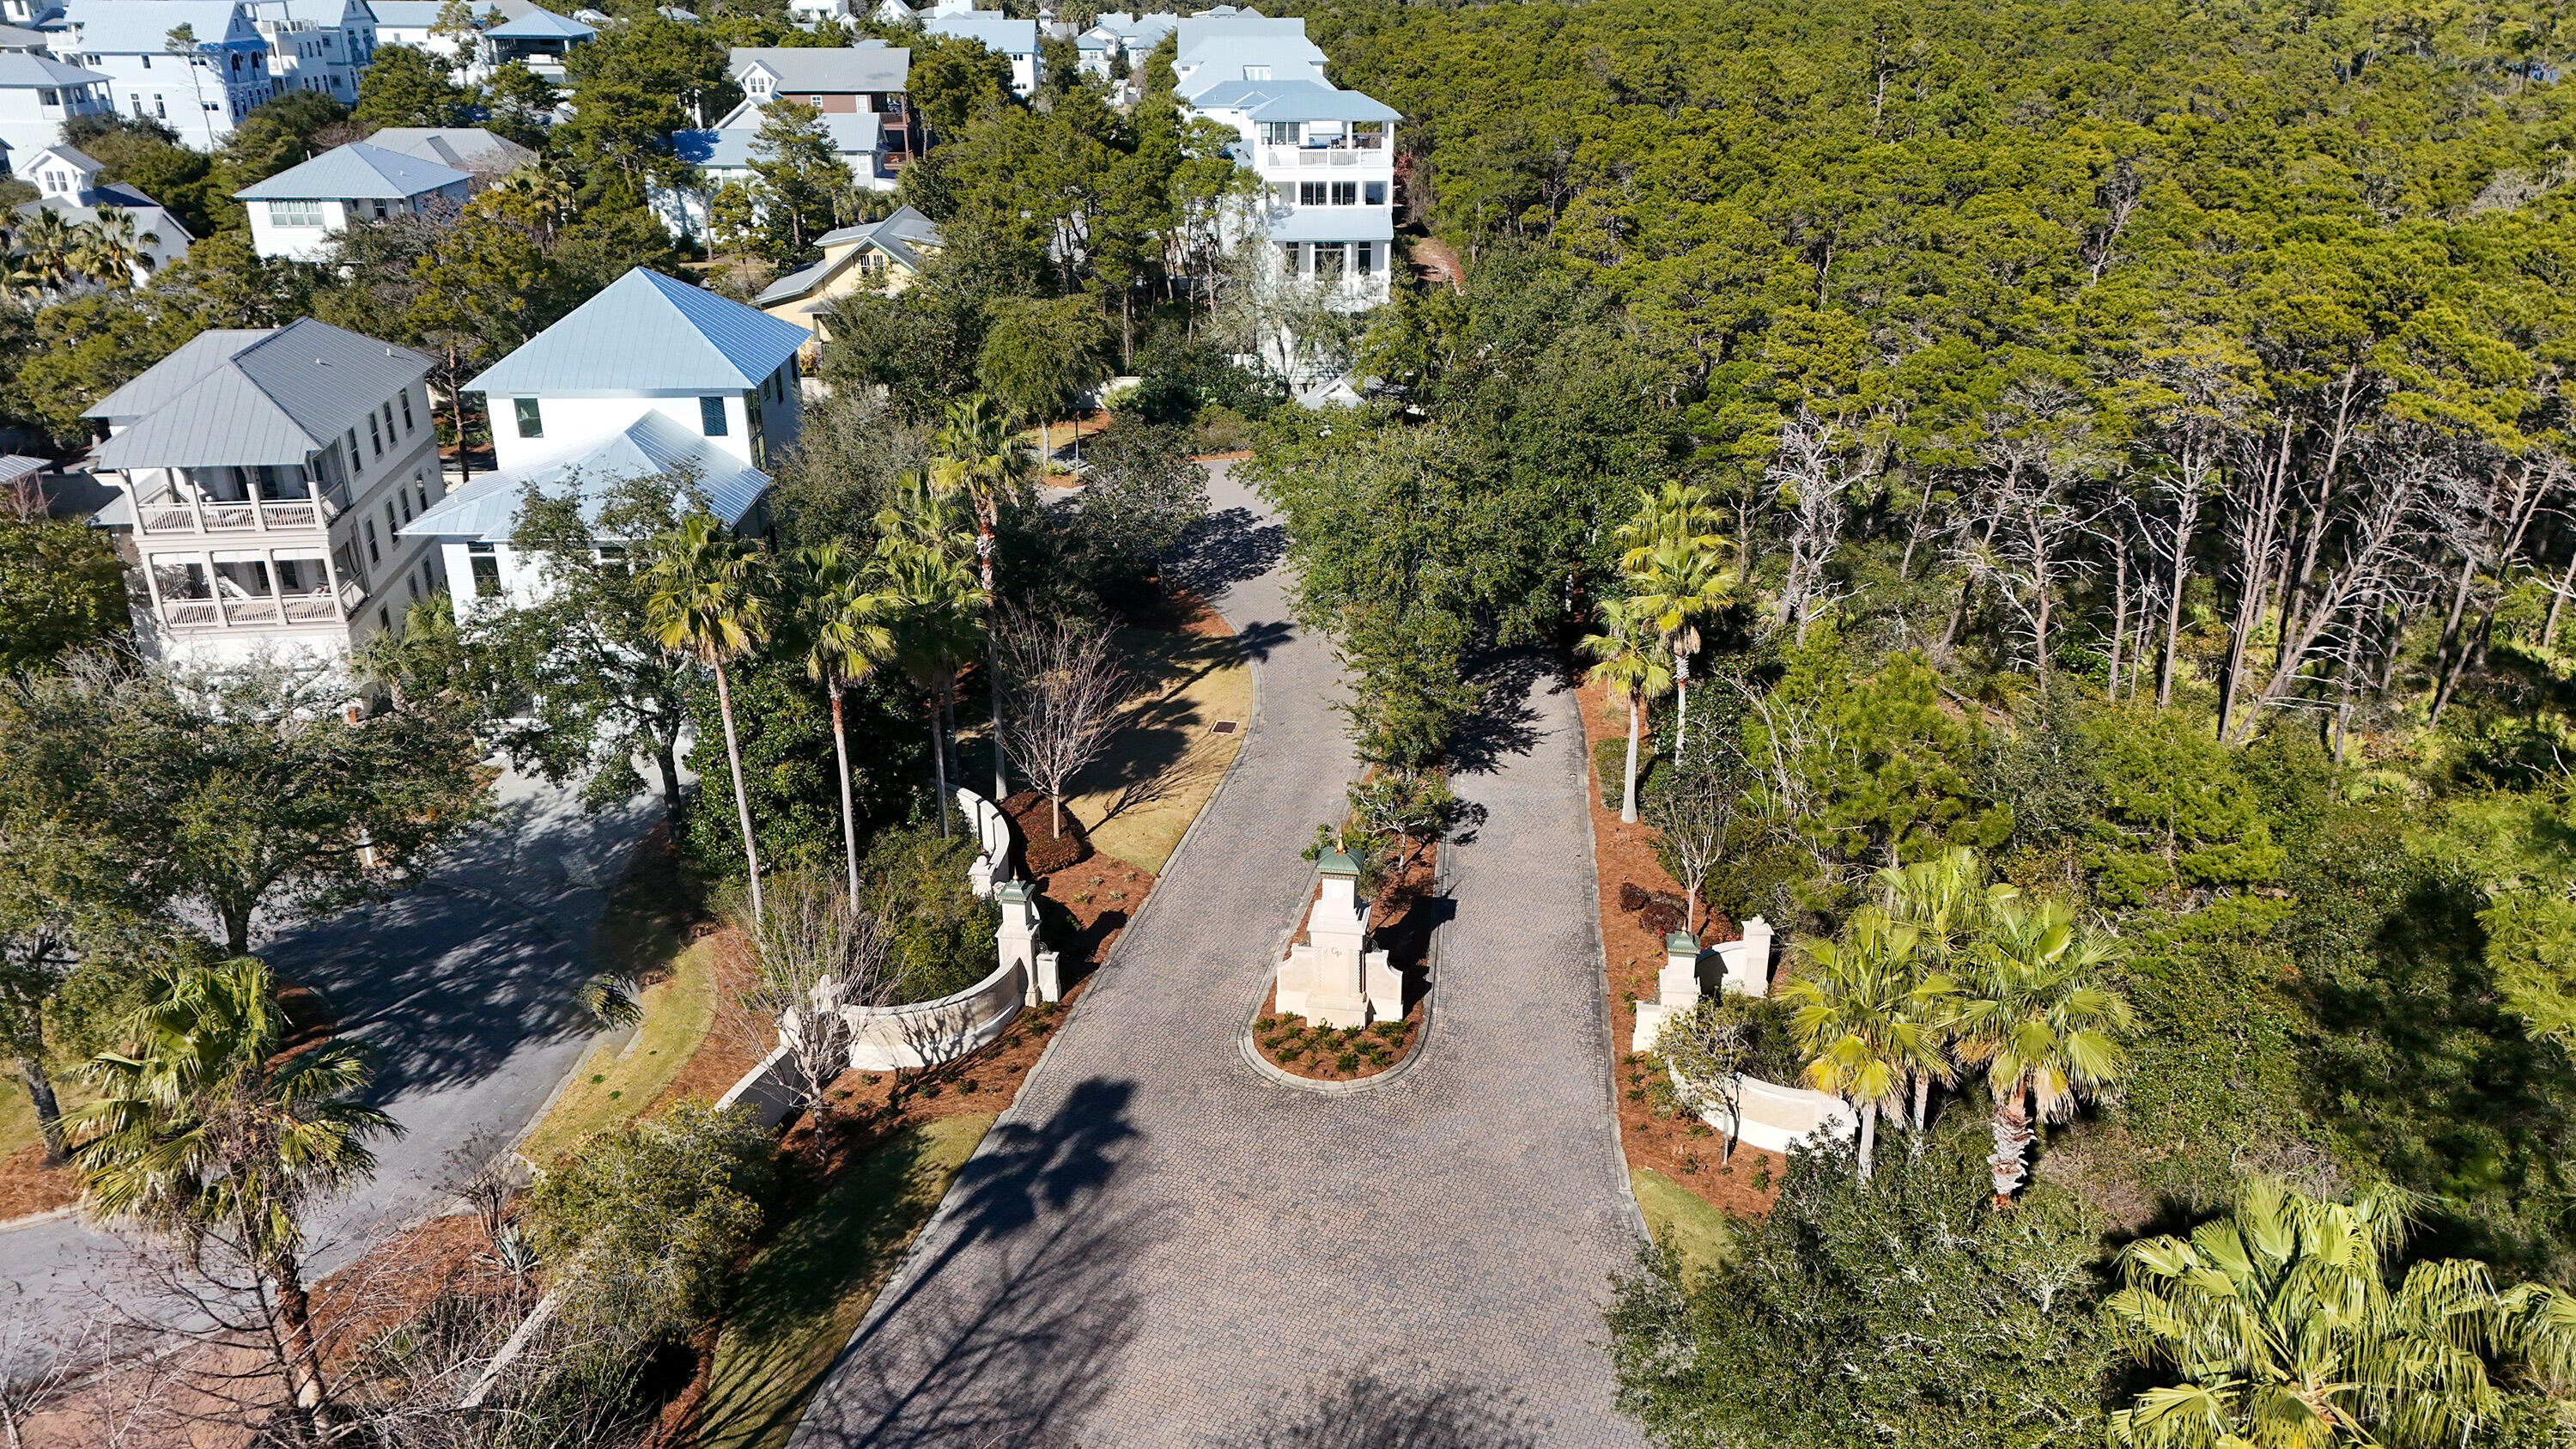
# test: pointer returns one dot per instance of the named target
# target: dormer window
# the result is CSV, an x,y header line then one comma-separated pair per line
x,y
1256,72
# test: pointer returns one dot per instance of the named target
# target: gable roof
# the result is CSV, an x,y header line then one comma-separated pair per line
x,y
467,148
826,69
358,172
76,159
246,398
149,216
994,30
141,27
485,510
1306,101
19,70
540,25
898,236
14,38
646,333
1225,58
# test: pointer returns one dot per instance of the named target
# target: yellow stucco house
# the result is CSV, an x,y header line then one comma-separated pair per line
x,y
876,256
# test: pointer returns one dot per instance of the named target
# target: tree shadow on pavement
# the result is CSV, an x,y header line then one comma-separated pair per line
x,y
1504,725
1368,1412
1018,1353
1226,547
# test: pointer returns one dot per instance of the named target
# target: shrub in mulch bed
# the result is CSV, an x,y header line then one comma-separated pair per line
x,y
1333,1054
1043,849
1659,912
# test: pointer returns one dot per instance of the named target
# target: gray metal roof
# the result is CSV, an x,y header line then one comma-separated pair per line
x,y
1305,101
142,27
896,236
275,400
485,510
14,38
994,30
19,71
356,171
538,25
825,69
651,334
854,134
467,148
150,219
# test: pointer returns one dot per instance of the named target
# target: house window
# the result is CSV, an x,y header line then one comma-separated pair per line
x,y
1279,133
1256,72
374,554
487,570
295,213
353,451
390,525
1376,193
1346,193
384,621
389,421
406,402
411,581
531,425
406,503
375,436
711,416
1311,193
147,62
161,111
49,98
1364,258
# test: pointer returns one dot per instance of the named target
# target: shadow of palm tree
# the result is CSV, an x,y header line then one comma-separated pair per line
x,y
1369,1412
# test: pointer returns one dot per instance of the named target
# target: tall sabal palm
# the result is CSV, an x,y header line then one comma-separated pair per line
x,y
842,620
207,1134
932,620
706,598
112,249
1862,1014
1631,662
2039,1016
2287,1332
1673,584
1949,903
982,458
47,244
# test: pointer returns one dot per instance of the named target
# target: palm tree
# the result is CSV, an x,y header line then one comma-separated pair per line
x,y
1949,904
1862,1014
110,250
2287,1333
207,1133
1631,662
982,458
48,244
2040,1018
1675,513
1671,584
934,599
706,601
842,620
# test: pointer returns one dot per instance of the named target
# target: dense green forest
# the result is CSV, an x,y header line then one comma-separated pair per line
x,y
2128,440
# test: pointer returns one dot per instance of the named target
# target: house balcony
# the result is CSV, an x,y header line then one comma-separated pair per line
x,y
233,501
1311,158
232,607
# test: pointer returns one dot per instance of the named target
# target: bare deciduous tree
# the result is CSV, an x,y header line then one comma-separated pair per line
x,y
1061,688
1818,464
1692,814
814,954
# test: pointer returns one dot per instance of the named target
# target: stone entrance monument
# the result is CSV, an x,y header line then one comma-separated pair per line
x,y
1744,967
1332,978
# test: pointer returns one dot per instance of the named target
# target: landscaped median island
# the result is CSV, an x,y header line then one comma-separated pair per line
x,y
1389,966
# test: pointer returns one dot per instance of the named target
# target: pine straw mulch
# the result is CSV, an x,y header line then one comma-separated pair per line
x,y
1625,854
1401,921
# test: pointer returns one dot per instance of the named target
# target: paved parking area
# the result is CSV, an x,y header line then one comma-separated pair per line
x,y
1157,1246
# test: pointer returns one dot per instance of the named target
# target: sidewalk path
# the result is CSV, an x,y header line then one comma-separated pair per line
x,y
1157,1246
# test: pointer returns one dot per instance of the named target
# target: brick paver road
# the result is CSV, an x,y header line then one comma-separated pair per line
x,y
1159,1246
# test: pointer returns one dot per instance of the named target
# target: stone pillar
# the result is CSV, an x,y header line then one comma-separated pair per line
x,y
1676,990
980,877
1324,980
1017,940
1747,963
1050,977
1385,988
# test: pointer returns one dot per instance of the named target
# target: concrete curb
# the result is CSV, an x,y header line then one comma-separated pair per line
x,y
1606,1032
29,1220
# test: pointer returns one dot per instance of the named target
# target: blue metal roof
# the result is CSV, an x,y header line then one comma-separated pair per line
x,y
485,510
542,25
650,334
1306,101
356,171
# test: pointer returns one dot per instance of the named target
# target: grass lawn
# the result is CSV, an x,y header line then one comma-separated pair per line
x,y
18,1112
609,1090
1699,1232
803,1296
1164,761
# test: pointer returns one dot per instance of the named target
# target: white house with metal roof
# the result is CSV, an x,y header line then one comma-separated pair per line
x,y
317,45
1325,156
652,375
201,95
537,39
295,213
263,476
470,149
1014,40
67,184
860,140
869,78
37,94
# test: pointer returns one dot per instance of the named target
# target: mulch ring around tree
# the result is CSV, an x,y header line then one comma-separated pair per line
x,y
1400,924
1050,840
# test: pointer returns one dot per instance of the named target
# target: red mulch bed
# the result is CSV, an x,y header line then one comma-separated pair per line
x,y
1624,854
28,1186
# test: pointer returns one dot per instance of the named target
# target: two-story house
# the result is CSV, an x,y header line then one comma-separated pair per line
x,y
650,376
263,477
67,184
470,149
294,214
37,94
868,78
1325,156
730,154
880,256
317,45
200,88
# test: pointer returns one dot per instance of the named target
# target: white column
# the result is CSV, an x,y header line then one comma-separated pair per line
x,y
1016,941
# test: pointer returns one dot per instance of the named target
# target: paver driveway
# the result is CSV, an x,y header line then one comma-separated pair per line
x,y
1158,1246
